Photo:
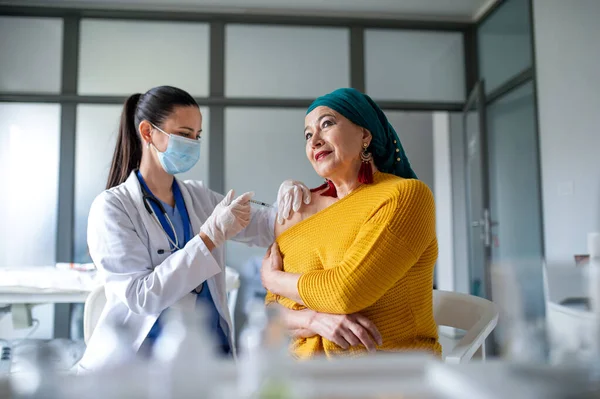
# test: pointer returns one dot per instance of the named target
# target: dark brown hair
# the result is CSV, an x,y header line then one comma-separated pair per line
x,y
154,106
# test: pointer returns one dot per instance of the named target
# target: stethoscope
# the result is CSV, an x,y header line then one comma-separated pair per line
x,y
146,198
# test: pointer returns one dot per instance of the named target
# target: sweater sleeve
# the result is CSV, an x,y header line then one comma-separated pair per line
x,y
389,243
283,301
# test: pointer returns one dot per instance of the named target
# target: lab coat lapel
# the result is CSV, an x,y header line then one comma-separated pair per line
x,y
216,284
155,233
134,189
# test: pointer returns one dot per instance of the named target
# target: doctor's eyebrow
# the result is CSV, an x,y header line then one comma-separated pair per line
x,y
190,129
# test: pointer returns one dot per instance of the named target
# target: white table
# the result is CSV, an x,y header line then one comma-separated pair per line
x,y
44,284
20,295
36,285
23,287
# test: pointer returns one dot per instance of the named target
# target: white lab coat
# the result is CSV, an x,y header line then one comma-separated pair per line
x,y
124,243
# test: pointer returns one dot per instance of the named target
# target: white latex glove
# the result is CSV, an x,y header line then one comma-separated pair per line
x,y
228,218
290,196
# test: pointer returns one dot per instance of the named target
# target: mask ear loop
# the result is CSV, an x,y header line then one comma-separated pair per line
x,y
160,130
149,143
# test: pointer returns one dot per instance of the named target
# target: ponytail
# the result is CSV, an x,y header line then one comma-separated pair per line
x,y
128,151
155,106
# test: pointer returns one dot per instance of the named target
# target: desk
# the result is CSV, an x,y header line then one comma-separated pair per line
x,y
22,287
44,284
19,301
36,285
9,296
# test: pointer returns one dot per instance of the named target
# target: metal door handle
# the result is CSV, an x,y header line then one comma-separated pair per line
x,y
486,225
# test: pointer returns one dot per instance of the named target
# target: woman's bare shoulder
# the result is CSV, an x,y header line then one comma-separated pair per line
x,y
317,203
287,223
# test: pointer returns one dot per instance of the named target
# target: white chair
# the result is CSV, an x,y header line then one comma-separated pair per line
x,y
477,316
232,282
94,304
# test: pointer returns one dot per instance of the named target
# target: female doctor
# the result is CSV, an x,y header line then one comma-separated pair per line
x,y
158,241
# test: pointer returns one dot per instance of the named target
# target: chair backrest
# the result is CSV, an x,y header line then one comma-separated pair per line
x,y
477,316
94,304
232,283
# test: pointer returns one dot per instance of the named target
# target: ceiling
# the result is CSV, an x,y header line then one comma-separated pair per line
x,y
439,10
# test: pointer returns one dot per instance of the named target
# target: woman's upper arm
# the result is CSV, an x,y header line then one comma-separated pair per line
x,y
386,247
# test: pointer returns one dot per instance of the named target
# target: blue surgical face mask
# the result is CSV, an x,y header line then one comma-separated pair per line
x,y
181,154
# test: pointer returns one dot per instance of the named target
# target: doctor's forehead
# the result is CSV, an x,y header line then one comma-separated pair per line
x,y
189,116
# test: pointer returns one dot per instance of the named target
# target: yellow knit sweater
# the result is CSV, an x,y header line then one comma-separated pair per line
x,y
371,252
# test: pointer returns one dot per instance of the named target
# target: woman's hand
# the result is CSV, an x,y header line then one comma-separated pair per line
x,y
275,279
345,330
290,197
272,265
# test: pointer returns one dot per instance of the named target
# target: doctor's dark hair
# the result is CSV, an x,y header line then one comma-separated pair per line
x,y
154,106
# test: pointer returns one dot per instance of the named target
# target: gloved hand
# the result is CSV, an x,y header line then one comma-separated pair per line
x,y
290,197
228,218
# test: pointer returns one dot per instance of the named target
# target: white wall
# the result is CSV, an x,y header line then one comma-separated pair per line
x,y
568,77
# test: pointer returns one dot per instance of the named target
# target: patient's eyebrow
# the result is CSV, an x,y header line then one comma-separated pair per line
x,y
319,119
324,115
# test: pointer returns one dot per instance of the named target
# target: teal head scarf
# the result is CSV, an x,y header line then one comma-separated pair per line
x,y
360,109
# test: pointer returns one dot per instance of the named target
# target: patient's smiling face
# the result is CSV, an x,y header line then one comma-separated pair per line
x,y
333,144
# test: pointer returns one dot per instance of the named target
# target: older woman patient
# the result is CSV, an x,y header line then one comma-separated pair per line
x,y
354,269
